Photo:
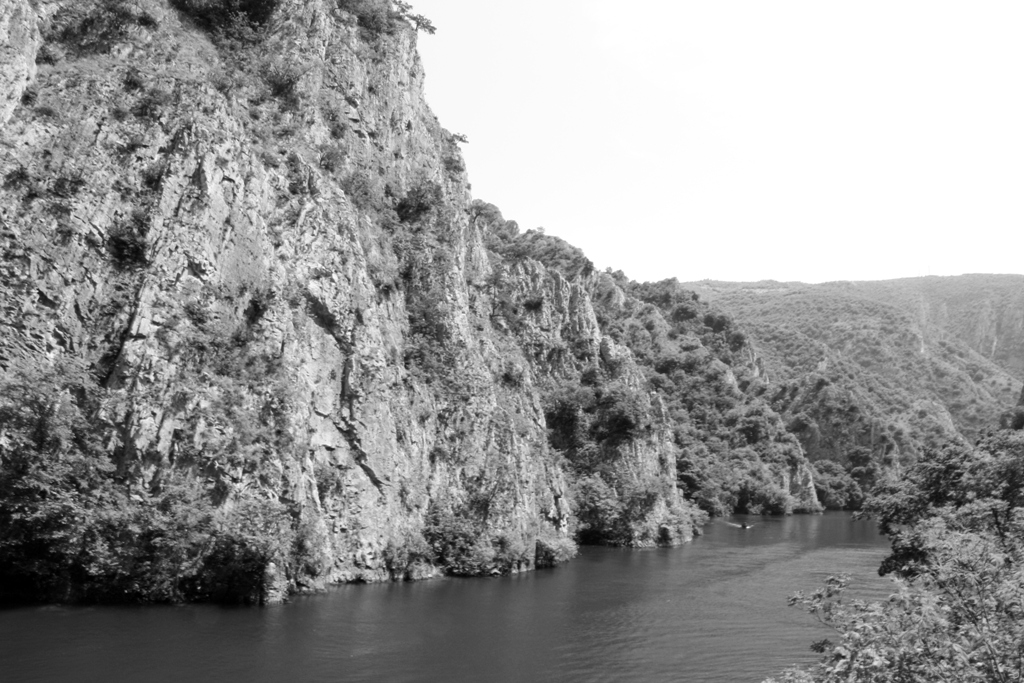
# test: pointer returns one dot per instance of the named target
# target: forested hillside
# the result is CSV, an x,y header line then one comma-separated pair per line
x,y
866,379
986,312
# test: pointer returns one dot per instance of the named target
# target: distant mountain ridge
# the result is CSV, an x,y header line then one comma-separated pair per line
x,y
984,311
870,373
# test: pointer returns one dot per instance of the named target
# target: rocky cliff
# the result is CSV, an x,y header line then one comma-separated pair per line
x,y
291,351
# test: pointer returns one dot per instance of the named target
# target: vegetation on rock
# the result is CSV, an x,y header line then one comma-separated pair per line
x,y
257,339
864,377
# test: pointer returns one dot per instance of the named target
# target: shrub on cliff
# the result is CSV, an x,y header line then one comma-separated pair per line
x,y
420,200
74,528
553,252
463,546
621,414
620,514
88,27
378,17
229,21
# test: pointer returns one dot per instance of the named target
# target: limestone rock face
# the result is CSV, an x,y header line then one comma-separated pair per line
x,y
558,330
19,41
266,255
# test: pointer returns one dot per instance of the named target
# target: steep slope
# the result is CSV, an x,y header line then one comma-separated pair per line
x,y
985,312
863,377
253,340
733,451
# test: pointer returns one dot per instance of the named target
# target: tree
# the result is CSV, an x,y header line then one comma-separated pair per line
x,y
960,620
957,529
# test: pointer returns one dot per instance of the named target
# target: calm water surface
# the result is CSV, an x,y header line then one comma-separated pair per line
x,y
713,610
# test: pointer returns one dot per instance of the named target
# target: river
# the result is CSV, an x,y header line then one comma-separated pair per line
x,y
712,610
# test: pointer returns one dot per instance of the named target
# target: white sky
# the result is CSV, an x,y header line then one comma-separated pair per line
x,y
807,140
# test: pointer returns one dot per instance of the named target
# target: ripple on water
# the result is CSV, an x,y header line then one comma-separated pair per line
x,y
713,610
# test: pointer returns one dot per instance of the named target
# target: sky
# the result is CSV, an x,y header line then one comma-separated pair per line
x,y
809,140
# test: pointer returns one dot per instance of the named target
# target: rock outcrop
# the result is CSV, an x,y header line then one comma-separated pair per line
x,y
258,238
19,43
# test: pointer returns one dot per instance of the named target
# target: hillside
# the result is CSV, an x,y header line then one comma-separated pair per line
x,y
871,373
256,337
985,312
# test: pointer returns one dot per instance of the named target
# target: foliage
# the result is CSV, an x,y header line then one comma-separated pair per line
x,y
126,241
879,370
74,527
616,515
587,422
405,553
593,421
378,17
503,238
420,200
958,547
731,446
979,489
230,22
90,27
464,546
836,488
428,353
283,80
361,191
453,163
960,620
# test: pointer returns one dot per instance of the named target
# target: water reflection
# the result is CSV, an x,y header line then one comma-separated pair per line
x,y
714,610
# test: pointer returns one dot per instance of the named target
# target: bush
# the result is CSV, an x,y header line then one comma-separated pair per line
x,y
552,550
361,191
960,620
421,200
229,21
836,489
72,529
459,542
621,415
153,103
428,353
373,16
376,18
405,553
760,497
126,241
283,81
598,511
332,158
957,533
90,27
453,163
